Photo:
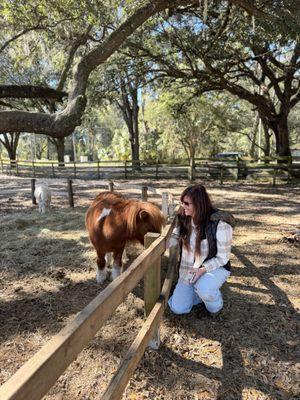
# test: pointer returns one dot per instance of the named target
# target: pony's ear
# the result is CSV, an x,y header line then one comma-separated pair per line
x,y
143,215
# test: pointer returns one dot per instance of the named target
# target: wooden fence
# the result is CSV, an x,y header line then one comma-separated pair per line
x,y
39,374
168,202
235,168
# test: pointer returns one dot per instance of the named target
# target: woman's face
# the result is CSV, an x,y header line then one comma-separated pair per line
x,y
188,206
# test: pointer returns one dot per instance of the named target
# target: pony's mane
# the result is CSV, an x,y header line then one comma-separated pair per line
x,y
134,207
129,210
112,199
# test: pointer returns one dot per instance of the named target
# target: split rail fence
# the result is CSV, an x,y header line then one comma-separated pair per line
x,y
34,379
236,168
168,202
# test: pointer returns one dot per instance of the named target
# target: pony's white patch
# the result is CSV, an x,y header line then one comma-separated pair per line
x,y
115,272
108,259
105,213
125,259
101,276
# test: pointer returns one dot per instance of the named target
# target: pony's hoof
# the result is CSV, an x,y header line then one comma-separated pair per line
x,y
115,272
101,276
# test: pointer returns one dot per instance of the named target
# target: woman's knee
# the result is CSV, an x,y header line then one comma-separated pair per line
x,y
179,307
179,310
206,293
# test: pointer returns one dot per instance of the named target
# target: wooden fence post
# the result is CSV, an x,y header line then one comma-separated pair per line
x,y
33,199
53,172
152,287
289,165
33,168
17,167
74,171
111,186
70,192
98,169
2,169
221,174
238,165
156,170
125,169
172,205
274,176
144,193
165,204
174,259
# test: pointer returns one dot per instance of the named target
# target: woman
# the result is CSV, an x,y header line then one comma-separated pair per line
x,y
206,245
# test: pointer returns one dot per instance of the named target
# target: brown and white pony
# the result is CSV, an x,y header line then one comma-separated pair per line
x,y
112,221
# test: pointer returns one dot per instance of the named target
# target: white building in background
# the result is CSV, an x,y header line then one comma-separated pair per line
x,y
296,155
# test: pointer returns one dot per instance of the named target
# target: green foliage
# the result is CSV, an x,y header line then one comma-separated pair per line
x,y
201,126
180,118
250,57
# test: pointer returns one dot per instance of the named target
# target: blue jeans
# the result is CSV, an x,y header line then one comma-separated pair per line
x,y
206,289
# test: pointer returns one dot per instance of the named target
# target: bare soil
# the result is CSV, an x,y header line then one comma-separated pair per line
x,y
250,351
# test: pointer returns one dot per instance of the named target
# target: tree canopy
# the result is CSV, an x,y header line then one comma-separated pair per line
x,y
256,61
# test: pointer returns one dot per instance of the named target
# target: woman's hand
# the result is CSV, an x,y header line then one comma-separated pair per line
x,y
200,271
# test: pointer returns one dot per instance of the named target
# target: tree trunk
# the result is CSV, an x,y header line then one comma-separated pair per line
x,y
144,121
60,147
10,143
48,148
192,165
267,146
12,152
281,131
254,134
130,110
134,136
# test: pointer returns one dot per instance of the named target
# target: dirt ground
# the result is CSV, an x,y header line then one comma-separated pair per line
x,y
250,351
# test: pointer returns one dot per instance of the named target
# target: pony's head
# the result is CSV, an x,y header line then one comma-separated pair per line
x,y
143,217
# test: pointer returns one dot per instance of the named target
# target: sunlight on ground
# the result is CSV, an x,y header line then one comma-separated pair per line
x,y
252,288
208,352
290,284
48,275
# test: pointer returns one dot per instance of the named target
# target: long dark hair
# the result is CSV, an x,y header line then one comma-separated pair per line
x,y
203,209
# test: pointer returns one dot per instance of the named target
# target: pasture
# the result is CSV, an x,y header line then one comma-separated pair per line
x,y
249,352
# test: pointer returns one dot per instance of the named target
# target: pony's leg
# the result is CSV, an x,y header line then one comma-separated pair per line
x,y
108,259
102,272
117,265
125,259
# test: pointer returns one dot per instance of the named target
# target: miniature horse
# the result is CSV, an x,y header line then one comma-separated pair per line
x,y
43,197
112,220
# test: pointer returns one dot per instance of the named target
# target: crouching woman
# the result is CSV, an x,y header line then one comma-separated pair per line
x,y
205,236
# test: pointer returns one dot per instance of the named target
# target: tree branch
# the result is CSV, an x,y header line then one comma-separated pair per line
x,y
82,39
37,27
31,92
63,123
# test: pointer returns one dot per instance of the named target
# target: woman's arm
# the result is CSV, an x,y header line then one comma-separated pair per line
x,y
224,240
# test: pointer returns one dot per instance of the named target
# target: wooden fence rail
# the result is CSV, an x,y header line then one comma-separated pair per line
x,y
133,356
167,200
38,375
238,168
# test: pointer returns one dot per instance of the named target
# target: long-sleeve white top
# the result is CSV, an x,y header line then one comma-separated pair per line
x,y
189,262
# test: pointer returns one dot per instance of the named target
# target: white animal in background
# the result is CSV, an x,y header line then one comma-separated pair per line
x,y
43,197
